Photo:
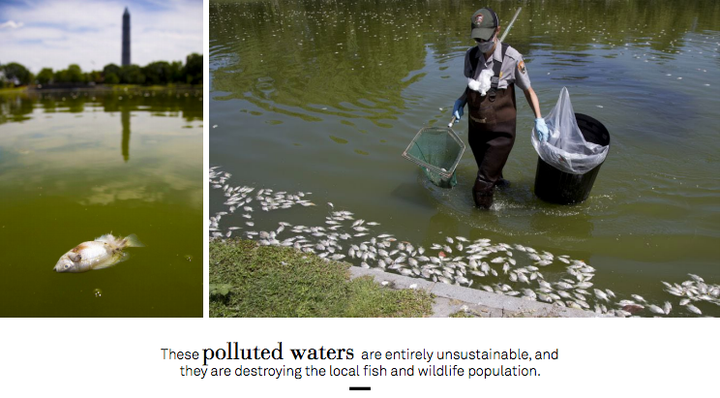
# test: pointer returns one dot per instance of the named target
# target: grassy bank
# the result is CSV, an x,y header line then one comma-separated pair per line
x,y
171,86
247,280
14,90
101,87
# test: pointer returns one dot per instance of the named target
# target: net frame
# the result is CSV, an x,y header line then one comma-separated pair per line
x,y
437,150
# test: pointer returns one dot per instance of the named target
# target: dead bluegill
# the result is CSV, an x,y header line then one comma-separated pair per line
x,y
103,252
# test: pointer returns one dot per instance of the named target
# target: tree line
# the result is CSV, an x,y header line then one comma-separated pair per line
x,y
154,73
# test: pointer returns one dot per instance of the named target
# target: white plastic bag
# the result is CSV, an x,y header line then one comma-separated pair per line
x,y
483,83
566,149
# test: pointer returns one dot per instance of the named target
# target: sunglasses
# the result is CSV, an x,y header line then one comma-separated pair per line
x,y
484,41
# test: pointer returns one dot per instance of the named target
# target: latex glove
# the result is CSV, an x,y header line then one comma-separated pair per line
x,y
458,109
541,129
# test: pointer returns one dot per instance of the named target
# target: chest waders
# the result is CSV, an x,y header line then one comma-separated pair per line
x,y
491,133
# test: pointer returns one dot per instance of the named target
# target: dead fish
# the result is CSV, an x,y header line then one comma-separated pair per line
x,y
600,294
638,297
667,307
506,268
632,308
563,285
694,309
103,252
656,309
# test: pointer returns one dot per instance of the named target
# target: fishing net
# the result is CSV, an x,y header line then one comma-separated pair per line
x,y
437,151
567,149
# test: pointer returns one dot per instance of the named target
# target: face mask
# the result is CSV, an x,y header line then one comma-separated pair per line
x,y
486,46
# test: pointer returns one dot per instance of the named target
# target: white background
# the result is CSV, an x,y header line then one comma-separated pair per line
x,y
121,357
105,358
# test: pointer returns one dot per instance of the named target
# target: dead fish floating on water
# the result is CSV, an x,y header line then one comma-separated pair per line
x,y
100,253
454,260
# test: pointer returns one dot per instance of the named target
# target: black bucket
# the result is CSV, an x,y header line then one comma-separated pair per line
x,y
555,186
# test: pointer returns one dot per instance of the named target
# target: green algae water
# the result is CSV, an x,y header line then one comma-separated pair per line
x,y
311,96
77,165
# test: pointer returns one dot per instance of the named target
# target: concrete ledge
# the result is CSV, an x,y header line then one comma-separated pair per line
x,y
451,299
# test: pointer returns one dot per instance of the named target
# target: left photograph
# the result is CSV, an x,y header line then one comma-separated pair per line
x,y
101,156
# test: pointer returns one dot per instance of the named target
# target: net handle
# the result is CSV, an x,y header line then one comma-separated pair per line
x,y
511,24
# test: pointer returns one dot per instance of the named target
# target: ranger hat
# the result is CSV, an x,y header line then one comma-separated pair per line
x,y
484,23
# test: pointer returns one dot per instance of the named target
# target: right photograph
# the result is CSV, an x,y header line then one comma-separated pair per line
x,y
457,159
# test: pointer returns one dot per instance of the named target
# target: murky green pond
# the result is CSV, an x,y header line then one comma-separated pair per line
x,y
77,165
311,96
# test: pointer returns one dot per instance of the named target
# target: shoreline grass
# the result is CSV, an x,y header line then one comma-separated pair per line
x,y
13,90
248,280
103,88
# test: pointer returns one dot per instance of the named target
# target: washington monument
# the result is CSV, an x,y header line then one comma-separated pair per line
x,y
126,38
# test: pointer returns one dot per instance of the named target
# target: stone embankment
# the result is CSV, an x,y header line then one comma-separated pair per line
x,y
453,299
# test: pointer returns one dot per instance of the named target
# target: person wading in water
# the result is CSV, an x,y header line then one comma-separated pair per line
x,y
493,68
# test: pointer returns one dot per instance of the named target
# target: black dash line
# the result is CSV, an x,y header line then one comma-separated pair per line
x,y
359,388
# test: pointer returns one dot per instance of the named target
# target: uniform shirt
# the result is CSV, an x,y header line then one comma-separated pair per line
x,y
512,71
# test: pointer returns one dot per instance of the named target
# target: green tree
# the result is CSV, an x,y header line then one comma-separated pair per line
x,y
111,68
61,76
176,72
194,69
14,71
94,77
157,73
111,78
45,76
74,74
131,74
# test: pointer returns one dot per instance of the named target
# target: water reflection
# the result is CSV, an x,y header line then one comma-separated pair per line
x,y
308,60
125,117
66,177
19,107
186,103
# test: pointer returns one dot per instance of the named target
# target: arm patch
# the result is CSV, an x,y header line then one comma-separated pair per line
x,y
521,67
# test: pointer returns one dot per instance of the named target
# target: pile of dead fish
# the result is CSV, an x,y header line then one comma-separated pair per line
x,y
515,270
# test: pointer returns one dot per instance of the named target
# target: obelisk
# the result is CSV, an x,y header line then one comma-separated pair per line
x,y
126,38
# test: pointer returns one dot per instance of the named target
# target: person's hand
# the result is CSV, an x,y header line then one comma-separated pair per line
x,y
458,109
541,129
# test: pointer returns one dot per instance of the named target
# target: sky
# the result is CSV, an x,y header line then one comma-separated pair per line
x,y
57,33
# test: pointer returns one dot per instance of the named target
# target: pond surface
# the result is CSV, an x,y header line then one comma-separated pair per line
x,y
77,165
310,96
